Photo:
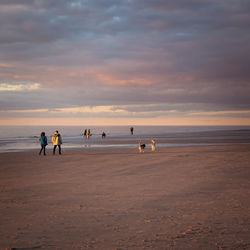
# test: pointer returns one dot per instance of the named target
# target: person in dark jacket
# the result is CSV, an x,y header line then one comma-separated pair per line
x,y
43,142
131,130
103,135
85,132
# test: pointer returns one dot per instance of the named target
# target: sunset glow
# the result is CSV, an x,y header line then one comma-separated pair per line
x,y
126,62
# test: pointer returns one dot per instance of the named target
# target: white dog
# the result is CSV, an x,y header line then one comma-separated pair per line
x,y
153,145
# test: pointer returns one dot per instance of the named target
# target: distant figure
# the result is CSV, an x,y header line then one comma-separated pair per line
x,y
132,130
57,141
85,132
141,147
153,145
88,133
103,135
43,142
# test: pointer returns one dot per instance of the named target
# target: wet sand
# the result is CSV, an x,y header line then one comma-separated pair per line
x,y
174,198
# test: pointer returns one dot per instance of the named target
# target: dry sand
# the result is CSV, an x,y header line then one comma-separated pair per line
x,y
175,198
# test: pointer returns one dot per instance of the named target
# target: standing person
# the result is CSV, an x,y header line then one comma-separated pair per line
x,y
103,135
132,130
88,133
43,142
85,132
57,141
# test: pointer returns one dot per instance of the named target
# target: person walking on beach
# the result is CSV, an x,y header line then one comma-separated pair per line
x,y
57,141
43,142
131,130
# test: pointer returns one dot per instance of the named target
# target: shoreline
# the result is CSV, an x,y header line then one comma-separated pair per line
x,y
165,138
133,144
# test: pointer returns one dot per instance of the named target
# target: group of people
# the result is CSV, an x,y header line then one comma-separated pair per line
x,y
87,133
56,141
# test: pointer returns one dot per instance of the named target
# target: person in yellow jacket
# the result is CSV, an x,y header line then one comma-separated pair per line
x,y
57,141
88,134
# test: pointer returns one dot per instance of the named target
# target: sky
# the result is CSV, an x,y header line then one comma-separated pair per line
x,y
124,62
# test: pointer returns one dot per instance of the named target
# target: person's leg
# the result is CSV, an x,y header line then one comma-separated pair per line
x,y
41,150
54,149
59,146
44,150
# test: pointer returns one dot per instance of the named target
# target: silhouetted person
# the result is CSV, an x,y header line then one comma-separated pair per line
x,y
103,135
132,130
85,132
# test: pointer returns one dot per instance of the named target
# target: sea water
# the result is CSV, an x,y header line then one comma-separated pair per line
x,y
26,138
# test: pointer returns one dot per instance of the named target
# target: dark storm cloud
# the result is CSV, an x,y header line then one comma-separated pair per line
x,y
189,52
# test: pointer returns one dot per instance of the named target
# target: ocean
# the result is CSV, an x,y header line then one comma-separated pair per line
x,y
26,138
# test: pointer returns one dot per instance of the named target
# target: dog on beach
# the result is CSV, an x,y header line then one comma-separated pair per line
x,y
153,145
141,147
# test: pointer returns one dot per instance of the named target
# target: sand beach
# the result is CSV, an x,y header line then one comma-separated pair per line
x,y
174,198
105,80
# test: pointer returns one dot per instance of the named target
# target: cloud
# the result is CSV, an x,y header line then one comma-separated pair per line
x,y
155,53
18,87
